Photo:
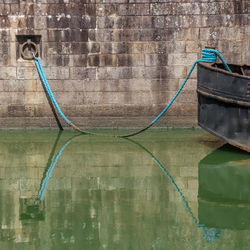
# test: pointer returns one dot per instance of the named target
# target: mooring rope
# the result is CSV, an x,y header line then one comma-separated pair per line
x,y
208,55
51,164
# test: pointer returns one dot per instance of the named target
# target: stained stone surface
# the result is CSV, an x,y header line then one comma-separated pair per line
x,y
113,63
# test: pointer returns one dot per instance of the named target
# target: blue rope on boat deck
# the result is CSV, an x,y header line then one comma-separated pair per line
x,y
208,55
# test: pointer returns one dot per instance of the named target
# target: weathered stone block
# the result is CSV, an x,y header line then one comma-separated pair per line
x,y
156,59
30,22
159,72
4,48
197,21
187,96
147,35
188,9
40,22
215,20
156,34
134,48
131,22
5,35
16,110
80,73
82,22
58,22
188,34
107,35
58,60
53,9
55,48
12,122
55,73
182,59
12,98
67,98
128,35
161,9
27,73
246,58
4,22
8,73
94,60
35,98
1,85
133,9
67,35
193,47
158,22
13,85
4,8
85,48
130,60
210,8
164,85
90,9
113,48
78,60
4,60
110,22
4,110
108,60
114,73
107,9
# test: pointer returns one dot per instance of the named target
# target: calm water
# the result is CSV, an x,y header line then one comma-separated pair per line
x,y
176,189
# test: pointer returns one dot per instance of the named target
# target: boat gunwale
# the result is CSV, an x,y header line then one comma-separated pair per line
x,y
226,99
210,67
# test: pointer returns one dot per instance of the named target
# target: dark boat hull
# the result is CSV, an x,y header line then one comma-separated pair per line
x,y
224,103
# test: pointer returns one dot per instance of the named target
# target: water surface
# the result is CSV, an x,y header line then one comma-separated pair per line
x,y
168,189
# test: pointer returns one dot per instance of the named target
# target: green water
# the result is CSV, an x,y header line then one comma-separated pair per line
x,y
173,189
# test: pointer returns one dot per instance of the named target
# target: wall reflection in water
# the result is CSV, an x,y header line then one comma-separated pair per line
x,y
65,191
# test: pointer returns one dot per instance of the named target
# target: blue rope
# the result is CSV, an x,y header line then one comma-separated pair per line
x,y
48,89
208,55
44,184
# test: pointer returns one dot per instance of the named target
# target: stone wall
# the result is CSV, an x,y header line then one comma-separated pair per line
x,y
113,63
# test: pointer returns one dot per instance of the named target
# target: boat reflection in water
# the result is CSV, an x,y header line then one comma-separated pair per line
x,y
223,196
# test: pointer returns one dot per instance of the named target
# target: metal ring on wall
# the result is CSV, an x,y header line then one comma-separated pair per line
x,y
23,47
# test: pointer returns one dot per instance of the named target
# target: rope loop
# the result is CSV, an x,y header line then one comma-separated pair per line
x,y
210,56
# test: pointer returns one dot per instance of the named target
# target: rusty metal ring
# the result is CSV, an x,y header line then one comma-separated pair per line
x,y
24,45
